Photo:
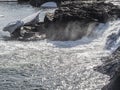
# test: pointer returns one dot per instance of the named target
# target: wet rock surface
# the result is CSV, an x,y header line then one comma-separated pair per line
x,y
111,67
100,12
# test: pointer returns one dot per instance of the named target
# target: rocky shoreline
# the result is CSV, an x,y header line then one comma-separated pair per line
x,y
111,67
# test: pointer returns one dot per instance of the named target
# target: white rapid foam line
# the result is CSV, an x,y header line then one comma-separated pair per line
x,y
1,15
115,2
67,58
103,31
94,45
113,28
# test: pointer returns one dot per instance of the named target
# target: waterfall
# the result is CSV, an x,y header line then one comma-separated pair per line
x,y
113,35
107,35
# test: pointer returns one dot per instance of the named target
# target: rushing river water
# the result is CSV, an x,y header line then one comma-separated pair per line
x,y
50,65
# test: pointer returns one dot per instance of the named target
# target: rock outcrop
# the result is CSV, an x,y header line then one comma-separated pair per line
x,y
100,12
111,67
71,21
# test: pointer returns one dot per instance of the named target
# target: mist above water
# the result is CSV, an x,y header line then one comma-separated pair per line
x,y
73,30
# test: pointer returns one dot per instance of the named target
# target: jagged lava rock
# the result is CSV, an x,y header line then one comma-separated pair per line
x,y
100,12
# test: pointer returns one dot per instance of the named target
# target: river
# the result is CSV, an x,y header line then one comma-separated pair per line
x,y
50,65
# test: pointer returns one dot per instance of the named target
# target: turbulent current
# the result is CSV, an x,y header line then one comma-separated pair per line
x,y
53,65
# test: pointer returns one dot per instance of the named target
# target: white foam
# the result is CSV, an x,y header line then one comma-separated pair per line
x,y
1,15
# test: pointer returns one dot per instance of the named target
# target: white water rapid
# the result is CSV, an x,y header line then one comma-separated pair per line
x,y
52,65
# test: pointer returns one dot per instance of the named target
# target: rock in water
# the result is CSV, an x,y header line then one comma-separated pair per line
x,y
11,27
112,40
14,27
111,67
100,12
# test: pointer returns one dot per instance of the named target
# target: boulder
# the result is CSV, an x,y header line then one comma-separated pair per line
x,y
11,27
14,28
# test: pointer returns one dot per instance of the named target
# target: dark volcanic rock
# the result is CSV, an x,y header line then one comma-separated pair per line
x,y
100,12
111,67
